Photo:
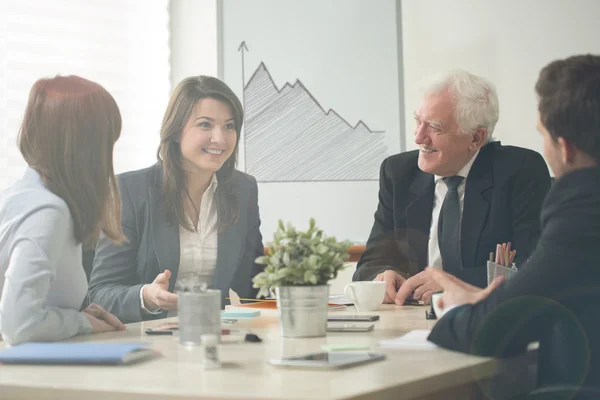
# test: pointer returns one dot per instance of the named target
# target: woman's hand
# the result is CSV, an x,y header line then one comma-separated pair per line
x,y
101,320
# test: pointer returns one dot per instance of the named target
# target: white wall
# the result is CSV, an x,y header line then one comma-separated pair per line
x,y
194,38
506,41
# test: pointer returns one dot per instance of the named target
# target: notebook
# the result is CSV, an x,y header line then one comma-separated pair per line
x,y
239,313
340,299
76,353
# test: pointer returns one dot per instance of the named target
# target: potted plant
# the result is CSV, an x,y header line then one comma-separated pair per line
x,y
299,265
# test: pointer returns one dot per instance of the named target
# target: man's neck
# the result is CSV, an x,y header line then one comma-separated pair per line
x,y
464,170
581,161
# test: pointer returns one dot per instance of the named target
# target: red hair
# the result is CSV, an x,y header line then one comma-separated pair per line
x,y
68,133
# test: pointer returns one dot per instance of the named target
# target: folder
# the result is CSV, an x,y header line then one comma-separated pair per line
x,y
76,353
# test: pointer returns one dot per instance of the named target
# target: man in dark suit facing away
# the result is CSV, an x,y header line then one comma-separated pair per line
x,y
555,296
448,204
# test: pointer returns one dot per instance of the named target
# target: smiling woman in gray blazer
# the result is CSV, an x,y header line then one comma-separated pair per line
x,y
190,218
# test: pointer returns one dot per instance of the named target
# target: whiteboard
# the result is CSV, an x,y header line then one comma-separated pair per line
x,y
320,84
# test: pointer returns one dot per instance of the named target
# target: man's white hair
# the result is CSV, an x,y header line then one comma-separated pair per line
x,y
476,99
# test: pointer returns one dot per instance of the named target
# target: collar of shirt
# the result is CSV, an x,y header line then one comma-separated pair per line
x,y
31,175
464,171
213,183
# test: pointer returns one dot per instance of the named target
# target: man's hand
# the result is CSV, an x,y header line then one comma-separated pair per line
x,y
457,292
101,320
421,286
393,282
156,295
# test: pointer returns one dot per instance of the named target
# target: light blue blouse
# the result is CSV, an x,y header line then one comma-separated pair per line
x,y
42,281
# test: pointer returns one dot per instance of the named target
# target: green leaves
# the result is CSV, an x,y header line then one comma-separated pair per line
x,y
300,258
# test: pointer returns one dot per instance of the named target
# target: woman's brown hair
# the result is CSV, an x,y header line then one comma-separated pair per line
x,y
67,135
174,185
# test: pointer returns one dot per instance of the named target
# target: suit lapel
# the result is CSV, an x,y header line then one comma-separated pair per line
x,y
228,253
418,216
165,236
476,204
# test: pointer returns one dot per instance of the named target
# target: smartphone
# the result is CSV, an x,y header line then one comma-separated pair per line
x,y
352,318
413,302
345,327
163,329
332,360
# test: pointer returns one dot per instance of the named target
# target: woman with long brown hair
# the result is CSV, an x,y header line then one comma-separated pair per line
x,y
66,198
191,218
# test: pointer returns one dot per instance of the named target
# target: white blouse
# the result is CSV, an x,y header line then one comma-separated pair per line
x,y
198,250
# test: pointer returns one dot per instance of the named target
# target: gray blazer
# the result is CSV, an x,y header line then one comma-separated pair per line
x,y
153,246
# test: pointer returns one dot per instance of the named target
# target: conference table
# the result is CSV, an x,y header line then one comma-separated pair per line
x,y
245,374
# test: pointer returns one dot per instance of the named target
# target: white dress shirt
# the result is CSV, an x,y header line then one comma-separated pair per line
x,y
197,250
42,281
433,250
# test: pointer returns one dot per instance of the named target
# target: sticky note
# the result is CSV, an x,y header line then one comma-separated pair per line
x,y
240,313
344,347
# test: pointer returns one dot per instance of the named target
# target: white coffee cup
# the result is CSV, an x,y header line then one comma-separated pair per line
x,y
366,295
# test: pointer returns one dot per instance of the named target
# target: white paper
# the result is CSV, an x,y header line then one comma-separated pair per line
x,y
340,299
413,340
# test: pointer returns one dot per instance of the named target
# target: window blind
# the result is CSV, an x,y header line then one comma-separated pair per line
x,y
121,44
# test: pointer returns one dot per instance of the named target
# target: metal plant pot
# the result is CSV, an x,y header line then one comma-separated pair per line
x,y
303,310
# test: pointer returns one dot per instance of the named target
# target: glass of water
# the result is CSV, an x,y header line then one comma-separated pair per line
x,y
199,314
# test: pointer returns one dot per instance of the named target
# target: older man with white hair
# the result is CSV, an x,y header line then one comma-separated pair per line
x,y
449,203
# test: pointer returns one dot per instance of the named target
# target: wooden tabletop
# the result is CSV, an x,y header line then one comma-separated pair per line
x,y
245,374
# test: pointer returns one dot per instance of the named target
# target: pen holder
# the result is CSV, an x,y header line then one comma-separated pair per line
x,y
199,314
494,270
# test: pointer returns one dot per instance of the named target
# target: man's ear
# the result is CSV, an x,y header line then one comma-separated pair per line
x,y
567,151
479,138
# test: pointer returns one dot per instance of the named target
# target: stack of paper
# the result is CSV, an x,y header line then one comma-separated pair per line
x,y
413,340
340,299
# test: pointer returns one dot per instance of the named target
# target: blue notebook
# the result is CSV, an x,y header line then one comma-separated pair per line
x,y
76,353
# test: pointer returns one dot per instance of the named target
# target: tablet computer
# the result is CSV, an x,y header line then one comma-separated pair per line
x,y
333,360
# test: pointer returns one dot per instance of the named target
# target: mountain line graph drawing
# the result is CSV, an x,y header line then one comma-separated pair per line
x,y
290,137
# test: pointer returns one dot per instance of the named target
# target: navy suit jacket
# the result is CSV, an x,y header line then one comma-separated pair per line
x,y
553,299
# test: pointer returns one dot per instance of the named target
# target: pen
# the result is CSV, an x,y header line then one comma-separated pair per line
x,y
498,253
512,256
